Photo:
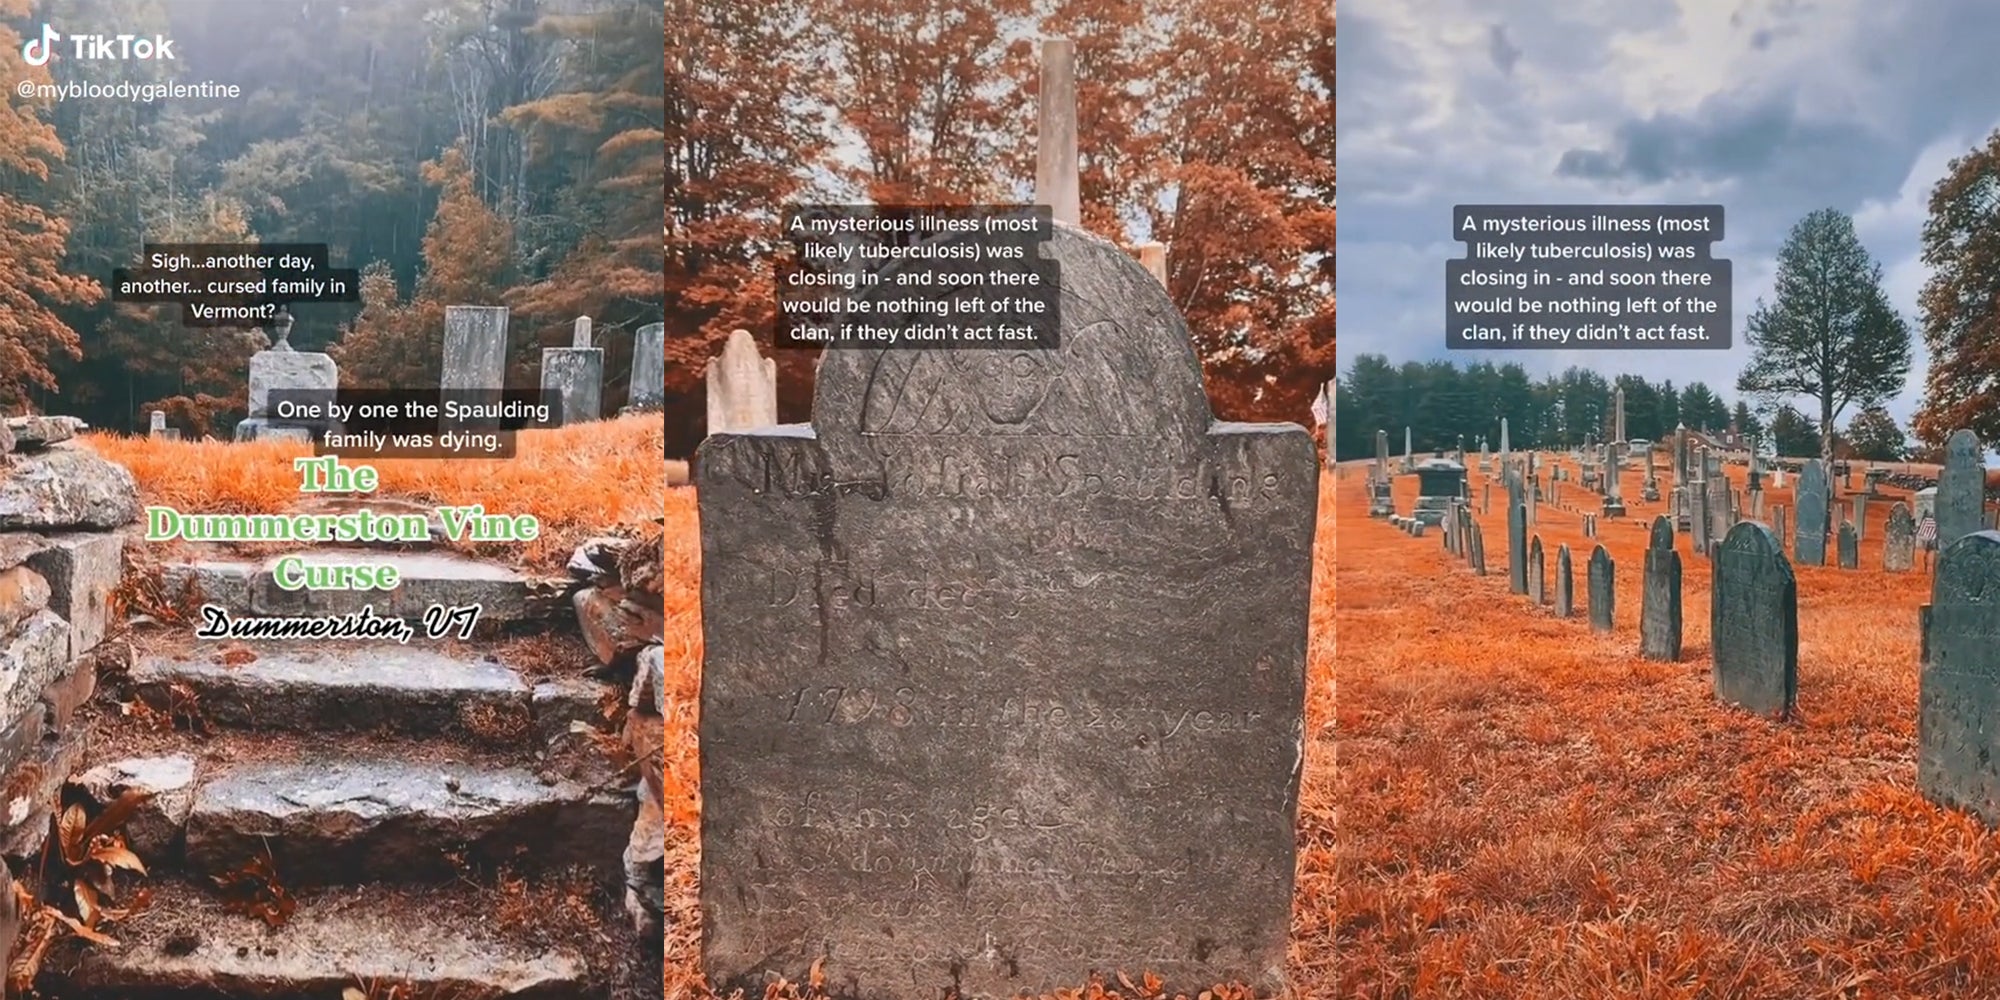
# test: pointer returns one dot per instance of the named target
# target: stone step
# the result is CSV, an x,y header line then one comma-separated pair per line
x,y
415,689
345,819
186,946
448,579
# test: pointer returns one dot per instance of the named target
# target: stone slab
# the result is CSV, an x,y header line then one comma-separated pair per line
x,y
346,821
83,570
428,578
154,830
1754,623
412,689
288,371
32,656
186,946
561,701
66,487
22,593
984,620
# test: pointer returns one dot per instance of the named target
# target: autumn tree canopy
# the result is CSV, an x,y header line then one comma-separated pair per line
x,y
1960,304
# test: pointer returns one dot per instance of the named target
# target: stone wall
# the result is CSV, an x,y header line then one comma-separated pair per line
x,y
60,560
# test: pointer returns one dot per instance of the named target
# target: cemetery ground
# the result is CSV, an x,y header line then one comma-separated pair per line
x,y
1312,964
1532,810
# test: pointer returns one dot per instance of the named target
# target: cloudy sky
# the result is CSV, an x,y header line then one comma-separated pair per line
x,y
1771,108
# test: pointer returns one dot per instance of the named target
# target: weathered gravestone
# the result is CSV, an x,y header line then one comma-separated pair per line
x,y
1754,623
1565,583
1899,540
742,387
1860,516
1699,521
1602,588
1478,549
647,388
575,375
1809,531
1538,576
1849,545
961,633
1660,596
1517,547
1958,685
1961,489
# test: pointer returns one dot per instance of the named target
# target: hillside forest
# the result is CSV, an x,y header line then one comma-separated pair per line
x,y
1206,125
476,152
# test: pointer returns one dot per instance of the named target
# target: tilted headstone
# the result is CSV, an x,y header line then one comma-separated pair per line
x,y
1660,596
648,388
1961,489
1754,623
942,680
1478,559
1899,540
1601,588
574,375
1517,547
1849,546
1958,685
742,387
1538,575
1809,530
1565,583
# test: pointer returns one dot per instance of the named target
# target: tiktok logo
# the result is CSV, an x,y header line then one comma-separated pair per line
x,y
38,53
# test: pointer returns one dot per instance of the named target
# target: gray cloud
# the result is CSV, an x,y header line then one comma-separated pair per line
x,y
1773,110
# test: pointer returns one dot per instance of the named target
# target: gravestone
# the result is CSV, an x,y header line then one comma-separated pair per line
x,y
1754,623
1699,522
289,373
157,428
1860,516
1849,545
475,351
1958,684
945,682
1538,577
1601,588
1057,180
647,390
1899,540
1809,531
575,376
1660,596
1478,549
1961,489
742,387
1517,547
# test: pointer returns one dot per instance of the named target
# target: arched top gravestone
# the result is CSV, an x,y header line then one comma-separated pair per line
x,y
978,702
1661,537
1754,622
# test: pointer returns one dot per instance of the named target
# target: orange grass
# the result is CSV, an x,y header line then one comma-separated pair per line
x,y
1532,811
1312,959
587,479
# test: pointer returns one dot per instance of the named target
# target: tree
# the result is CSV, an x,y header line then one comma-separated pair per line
x,y
1793,434
31,240
395,344
1746,422
1830,333
1874,436
1701,409
1961,324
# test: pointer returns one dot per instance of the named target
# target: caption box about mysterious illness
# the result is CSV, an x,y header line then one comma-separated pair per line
x,y
1580,277
918,276
233,285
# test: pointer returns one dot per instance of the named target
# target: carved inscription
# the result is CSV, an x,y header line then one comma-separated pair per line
x,y
1023,472
904,706
1005,594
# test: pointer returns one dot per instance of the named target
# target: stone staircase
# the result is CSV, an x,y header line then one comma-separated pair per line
x,y
443,818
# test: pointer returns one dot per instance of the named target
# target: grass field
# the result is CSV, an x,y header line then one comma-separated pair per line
x,y
1529,810
1312,966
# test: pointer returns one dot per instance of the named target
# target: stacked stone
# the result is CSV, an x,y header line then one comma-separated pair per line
x,y
621,611
60,562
